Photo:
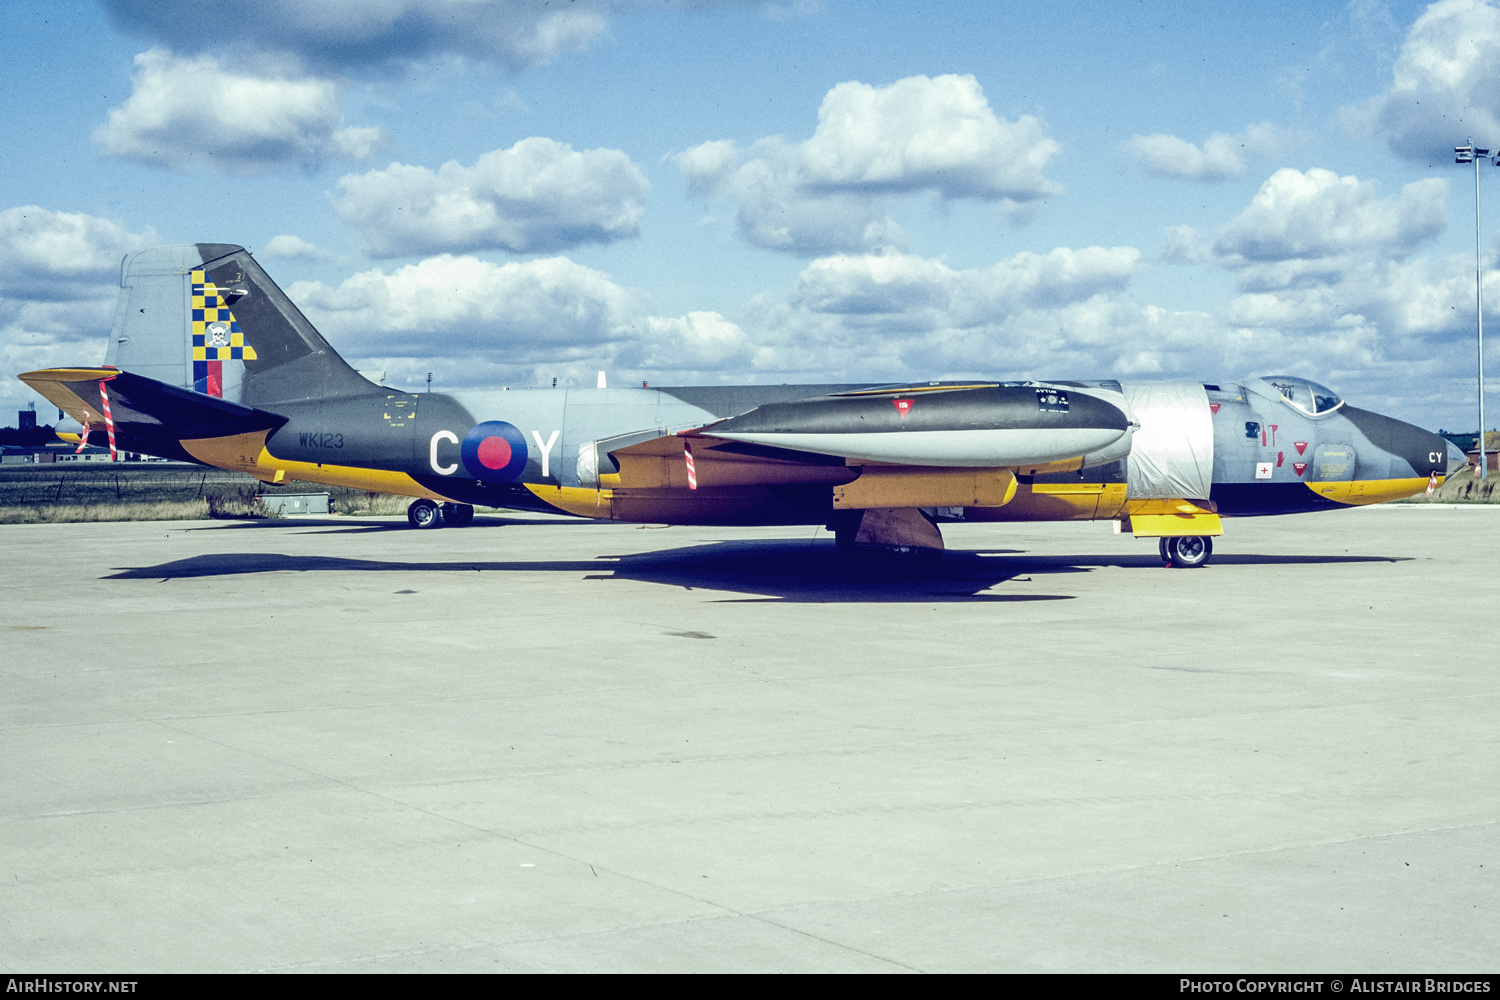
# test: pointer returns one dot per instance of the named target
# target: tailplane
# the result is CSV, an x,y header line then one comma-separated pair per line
x,y
130,412
205,317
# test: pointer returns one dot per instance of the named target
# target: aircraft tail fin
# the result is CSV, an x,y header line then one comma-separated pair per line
x,y
206,317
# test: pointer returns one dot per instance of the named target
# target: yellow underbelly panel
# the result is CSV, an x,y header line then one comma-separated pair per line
x,y
1368,491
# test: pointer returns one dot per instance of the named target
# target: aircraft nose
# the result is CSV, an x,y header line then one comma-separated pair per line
x,y
1426,451
1401,447
1427,454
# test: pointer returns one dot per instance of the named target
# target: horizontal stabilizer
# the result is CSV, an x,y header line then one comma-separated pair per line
x,y
149,416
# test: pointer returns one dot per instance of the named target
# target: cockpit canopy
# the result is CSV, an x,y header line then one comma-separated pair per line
x,y
1303,395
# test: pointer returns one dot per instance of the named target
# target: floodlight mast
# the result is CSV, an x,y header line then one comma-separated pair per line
x,y
1469,154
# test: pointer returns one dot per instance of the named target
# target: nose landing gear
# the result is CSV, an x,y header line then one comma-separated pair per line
x,y
1186,551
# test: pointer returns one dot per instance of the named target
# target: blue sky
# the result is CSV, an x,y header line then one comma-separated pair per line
x,y
503,192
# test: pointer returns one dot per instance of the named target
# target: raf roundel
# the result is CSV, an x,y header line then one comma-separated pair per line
x,y
494,451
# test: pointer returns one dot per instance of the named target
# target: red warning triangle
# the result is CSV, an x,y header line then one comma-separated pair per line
x,y
1301,446
1213,407
903,407
1299,468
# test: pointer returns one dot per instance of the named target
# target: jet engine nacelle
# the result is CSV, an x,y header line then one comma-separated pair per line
x,y
974,426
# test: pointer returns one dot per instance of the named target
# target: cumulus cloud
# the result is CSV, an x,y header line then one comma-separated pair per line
x,y
482,323
52,256
1330,283
925,133
345,34
526,309
1445,85
1314,226
1220,157
1319,215
866,317
1391,335
1062,314
290,247
1185,245
1408,302
1055,315
24,348
191,113
699,342
59,274
486,324
707,166
830,192
910,286
537,196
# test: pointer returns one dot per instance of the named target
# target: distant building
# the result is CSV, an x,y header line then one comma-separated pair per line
x,y
1469,445
1463,442
1491,446
22,442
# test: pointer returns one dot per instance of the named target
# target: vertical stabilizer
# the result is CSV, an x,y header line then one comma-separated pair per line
x,y
204,316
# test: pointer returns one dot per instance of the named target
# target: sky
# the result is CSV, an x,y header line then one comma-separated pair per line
x,y
502,192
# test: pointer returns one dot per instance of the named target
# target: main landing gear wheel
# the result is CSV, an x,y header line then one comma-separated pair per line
x,y
1186,551
424,513
845,527
458,515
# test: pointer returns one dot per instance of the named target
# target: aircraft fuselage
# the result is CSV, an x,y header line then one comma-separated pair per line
x,y
1267,458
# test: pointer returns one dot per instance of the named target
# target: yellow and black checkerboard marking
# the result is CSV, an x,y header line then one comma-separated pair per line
x,y
216,333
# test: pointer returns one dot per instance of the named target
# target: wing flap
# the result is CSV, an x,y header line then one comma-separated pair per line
x,y
659,463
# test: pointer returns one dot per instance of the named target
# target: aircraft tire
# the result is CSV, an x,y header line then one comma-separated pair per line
x,y
424,513
1190,551
458,515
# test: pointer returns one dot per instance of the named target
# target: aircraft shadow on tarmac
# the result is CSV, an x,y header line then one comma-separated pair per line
x,y
315,525
799,571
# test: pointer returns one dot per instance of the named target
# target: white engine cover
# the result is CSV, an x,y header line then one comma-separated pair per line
x,y
1172,453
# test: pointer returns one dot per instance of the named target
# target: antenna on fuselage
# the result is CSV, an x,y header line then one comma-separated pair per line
x,y
601,381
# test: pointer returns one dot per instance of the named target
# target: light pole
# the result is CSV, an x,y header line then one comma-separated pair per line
x,y
1469,154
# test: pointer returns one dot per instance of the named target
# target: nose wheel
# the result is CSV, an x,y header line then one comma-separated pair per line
x,y
1186,551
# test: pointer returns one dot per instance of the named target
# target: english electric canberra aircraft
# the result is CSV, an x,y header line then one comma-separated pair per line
x,y
210,362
